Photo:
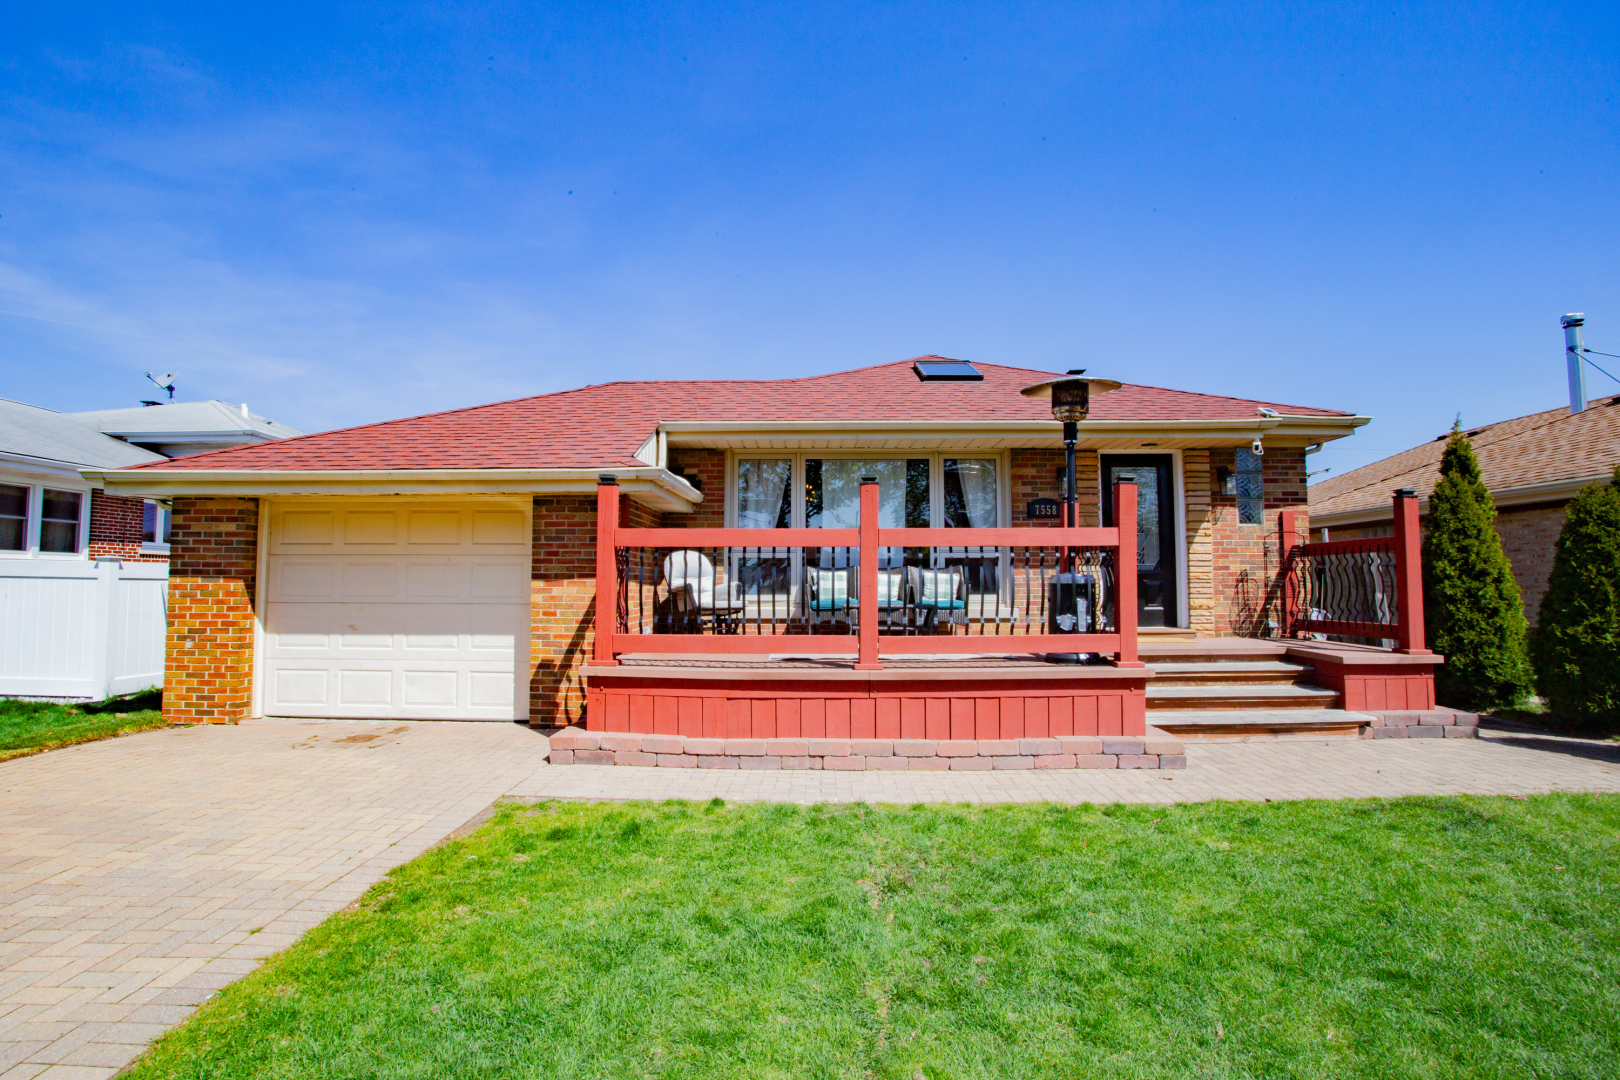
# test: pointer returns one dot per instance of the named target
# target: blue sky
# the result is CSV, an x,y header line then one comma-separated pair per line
x,y
342,214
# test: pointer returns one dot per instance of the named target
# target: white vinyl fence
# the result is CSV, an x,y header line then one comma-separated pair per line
x,y
86,630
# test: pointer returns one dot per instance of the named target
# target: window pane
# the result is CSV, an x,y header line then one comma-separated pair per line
x,y
833,492
149,522
1247,460
59,528
970,493
1251,511
764,494
13,516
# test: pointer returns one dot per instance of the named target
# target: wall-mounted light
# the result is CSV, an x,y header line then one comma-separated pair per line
x,y
1258,447
1225,479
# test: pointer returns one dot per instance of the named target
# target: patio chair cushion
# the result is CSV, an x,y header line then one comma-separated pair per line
x,y
830,590
891,588
940,588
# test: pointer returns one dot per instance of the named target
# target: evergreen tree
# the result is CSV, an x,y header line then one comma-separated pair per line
x,y
1471,604
1576,644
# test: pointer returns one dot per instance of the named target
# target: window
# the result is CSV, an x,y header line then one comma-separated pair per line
x,y
154,524
947,371
59,521
970,493
832,492
1251,488
13,517
765,493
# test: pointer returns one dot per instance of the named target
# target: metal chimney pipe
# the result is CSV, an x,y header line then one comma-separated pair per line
x,y
1572,324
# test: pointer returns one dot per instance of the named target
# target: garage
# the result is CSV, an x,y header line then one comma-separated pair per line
x,y
395,608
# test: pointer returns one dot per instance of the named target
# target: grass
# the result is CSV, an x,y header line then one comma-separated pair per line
x,y
1435,937
27,727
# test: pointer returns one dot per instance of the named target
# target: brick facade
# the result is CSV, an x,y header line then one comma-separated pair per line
x,y
1244,559
1037,474
213,560
708,466
1198,488
116,526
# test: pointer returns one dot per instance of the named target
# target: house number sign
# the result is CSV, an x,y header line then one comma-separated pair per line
x,y
1044,510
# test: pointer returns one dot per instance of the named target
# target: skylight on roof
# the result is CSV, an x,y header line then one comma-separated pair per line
x,y
947,371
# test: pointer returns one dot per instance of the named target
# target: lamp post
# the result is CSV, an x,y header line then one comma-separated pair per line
x,y
1071,401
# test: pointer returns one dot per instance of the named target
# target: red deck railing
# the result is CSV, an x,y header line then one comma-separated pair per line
x,y
1369,588
869,591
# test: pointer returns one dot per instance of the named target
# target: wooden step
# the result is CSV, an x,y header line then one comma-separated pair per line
x,y
1206,698
1227,673
1261,724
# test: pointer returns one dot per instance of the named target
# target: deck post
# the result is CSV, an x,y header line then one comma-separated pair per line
x,y
1408,573
867,608
607,568
1287,542
1125,598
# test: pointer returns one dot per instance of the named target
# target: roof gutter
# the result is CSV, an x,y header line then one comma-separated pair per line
x,y
1522,495
1307,429
653,487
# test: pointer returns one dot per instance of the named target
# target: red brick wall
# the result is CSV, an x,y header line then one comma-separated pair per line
x,y
710,467
1035,475
213,559
562,588
116,525
1244,558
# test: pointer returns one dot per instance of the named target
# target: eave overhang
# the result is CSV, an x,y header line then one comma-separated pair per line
x,y
1001,434
656,488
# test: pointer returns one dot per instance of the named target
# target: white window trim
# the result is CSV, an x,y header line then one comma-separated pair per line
x,y
36,518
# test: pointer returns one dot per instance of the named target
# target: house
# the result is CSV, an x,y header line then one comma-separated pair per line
x,y
449,566
83,572
1533,465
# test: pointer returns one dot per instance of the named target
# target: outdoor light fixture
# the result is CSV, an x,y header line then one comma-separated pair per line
x,y
1258,448
1071,401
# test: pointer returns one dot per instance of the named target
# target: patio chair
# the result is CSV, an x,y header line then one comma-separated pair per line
x,y
695,601
831,591
936,592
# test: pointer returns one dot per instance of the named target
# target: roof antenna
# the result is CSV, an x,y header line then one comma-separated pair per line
x,y
164,381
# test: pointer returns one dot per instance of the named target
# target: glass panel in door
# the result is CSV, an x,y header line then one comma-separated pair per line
x,y
1155,530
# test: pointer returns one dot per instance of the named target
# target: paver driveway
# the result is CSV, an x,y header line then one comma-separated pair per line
x,y
138,875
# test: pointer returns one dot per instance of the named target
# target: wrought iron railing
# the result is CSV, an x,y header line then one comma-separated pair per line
x,y
1368,588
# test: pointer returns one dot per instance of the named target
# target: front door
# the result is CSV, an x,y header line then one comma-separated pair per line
x,y
1155,530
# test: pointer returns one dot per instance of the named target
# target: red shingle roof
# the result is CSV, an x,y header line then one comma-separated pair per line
x,y
603,426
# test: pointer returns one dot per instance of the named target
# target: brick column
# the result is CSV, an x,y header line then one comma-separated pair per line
x,y
1197,490
213,561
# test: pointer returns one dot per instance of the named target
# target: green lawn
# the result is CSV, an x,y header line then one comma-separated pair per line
x,y
27,727
1444,937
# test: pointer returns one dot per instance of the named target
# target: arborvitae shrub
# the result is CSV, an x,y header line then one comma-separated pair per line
x,y
1472,607
1576,643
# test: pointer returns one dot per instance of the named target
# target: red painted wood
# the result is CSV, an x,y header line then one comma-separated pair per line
x,y
901,645
868,613
912,713
888,718
1409,574
1386,631
1372,544
838,718
1020,538
1085,716
862,718
1012,718
607,572
1125,600
738,538
1037,718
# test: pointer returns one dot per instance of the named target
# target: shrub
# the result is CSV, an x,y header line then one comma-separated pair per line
x,y
1576,645
1472,606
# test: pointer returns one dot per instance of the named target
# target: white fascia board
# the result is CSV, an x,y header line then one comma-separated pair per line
x,y
41,468
190,436
659,489
1218,432
1522,495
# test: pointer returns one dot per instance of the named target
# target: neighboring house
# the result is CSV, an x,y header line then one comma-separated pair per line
x,y
1533,465
82,572
447,566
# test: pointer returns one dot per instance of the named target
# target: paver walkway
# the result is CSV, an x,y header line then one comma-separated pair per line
x,y
138,875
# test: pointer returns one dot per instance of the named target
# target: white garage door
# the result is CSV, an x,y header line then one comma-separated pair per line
x,y
397,608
